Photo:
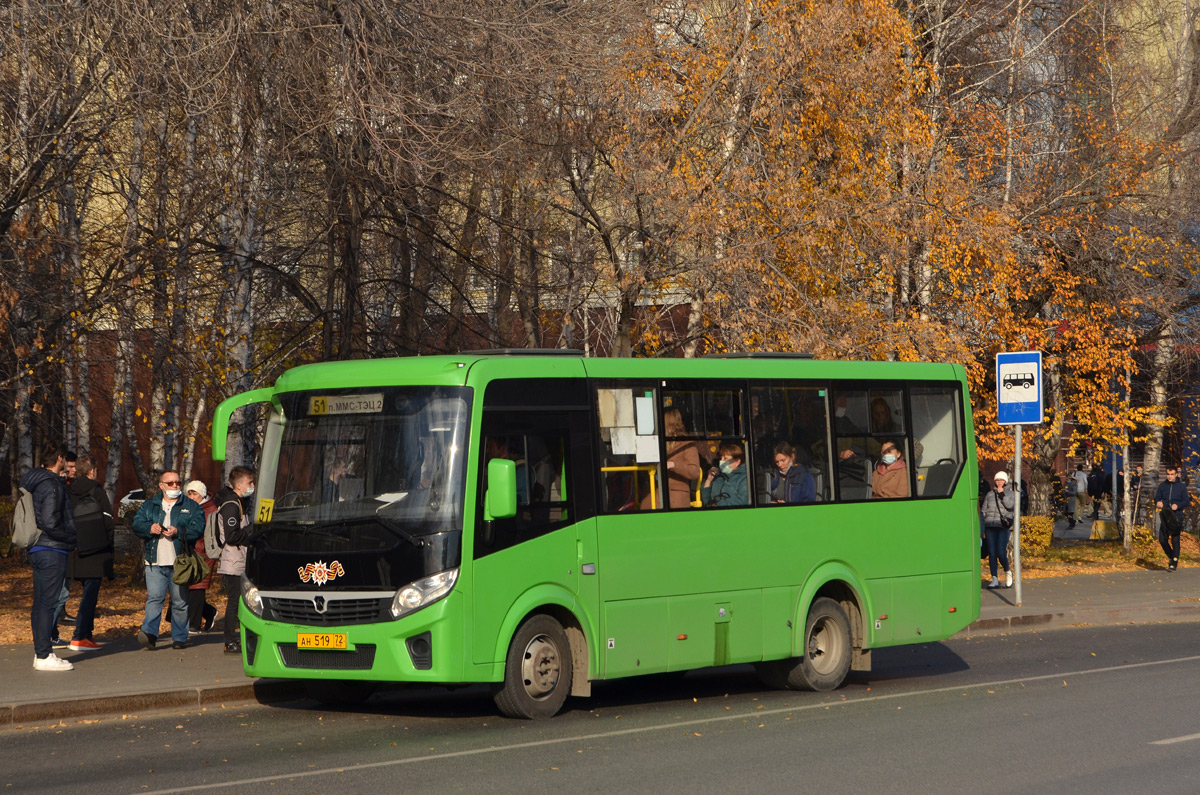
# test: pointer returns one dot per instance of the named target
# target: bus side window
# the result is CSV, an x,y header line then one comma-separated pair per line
x,y
629,449
938,445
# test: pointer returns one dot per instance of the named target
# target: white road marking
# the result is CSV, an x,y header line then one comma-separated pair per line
x,y
1171,741
755,714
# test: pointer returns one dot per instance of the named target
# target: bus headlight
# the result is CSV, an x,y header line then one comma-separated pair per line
x,y
418,594
251,598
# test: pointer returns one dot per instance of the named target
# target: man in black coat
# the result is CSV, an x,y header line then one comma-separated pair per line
x,y
1170,498
92,558
48,554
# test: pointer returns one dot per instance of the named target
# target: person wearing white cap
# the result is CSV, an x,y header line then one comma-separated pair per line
x,y
998,507
200,613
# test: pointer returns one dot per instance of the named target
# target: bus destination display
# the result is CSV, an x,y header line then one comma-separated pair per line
x,y
322,405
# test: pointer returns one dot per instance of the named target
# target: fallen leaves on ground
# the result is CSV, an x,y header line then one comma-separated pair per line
x,y
119,610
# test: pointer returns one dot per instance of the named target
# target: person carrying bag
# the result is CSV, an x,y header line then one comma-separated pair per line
x,y
998,508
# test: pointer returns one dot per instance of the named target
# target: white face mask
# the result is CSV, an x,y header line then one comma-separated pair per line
x,y
889,459
839,412
172,494
249,491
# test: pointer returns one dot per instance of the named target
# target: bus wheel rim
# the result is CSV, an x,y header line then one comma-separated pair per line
x,y
540,667
824,643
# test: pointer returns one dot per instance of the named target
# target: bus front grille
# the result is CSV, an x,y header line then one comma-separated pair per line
x,y
338,612
361,659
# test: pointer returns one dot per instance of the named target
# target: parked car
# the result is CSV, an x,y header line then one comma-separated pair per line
x,y
128,505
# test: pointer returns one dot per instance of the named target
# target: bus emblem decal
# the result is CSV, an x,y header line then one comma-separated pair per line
x,y
319,604
320,572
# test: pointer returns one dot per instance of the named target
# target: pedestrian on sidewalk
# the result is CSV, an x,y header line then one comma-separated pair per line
x,y
48,555
1069,499
233,522
1081,488
998,507
1096,489
200,613
1170,498
166,522
92,558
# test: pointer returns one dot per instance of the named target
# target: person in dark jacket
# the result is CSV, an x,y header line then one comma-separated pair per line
x,y
1096,489
92,559
234,505
48,554
1170,498
791,483
726,482
166,522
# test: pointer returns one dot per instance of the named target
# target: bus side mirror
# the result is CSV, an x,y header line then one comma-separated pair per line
x,y
501,499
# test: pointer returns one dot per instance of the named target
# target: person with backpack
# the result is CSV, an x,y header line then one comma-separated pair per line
x,y
200,613
1170,498
234,504
92,558
53,542
166,523
998,507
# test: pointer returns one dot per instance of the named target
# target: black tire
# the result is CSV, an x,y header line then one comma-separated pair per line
x,y
537,671
338,692
827,653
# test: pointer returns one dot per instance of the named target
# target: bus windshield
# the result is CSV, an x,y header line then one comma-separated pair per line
x,y
391,458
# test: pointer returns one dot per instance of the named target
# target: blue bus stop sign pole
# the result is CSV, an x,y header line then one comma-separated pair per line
x,y
1018,402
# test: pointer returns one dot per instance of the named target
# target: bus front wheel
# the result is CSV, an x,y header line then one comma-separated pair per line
x,y
827,652
537,671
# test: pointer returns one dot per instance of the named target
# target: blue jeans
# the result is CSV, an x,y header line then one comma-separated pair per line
x,y
85,616
997,541
158,582
49,573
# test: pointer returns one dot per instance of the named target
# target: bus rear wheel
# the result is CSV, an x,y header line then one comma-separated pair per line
x,y
827,653
537,671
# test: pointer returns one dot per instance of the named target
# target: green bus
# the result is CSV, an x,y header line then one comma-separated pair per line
x,y
539,520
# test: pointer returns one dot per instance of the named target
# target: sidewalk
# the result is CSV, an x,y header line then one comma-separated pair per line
x,y
1133,597
122,678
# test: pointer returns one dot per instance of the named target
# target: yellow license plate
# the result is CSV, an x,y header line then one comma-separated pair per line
x,y
321,640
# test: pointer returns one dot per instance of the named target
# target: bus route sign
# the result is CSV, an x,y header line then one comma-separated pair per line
x,y
1019,388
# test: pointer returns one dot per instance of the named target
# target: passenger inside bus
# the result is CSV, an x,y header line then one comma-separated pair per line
x,y
890,478
791,483
726,482
683,461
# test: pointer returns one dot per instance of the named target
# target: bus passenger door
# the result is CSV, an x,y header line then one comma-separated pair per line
x,y
533,559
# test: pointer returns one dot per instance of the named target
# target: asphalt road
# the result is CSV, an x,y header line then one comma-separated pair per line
x,y
1069,711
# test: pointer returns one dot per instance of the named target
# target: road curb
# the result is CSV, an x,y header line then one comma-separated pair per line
x,y
271,691
1096,616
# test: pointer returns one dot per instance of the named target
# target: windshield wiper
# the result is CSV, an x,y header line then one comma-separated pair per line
x,y
325,529
394,527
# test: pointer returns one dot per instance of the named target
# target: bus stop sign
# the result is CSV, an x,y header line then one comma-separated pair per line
x,y
1019,388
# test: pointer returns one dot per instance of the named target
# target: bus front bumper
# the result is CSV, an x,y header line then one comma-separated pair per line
x,y
424,647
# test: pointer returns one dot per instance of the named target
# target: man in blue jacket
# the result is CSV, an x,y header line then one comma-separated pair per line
x,y
1171,497
48,555
166,523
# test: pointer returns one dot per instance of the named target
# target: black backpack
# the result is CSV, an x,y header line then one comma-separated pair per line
x,y
91,525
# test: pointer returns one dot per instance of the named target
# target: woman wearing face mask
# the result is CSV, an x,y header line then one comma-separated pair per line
x,y
790,482
726,482
233,521
890,479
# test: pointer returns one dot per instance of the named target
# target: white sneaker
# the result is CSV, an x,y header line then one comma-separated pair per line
x,y
51,663
1008,579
